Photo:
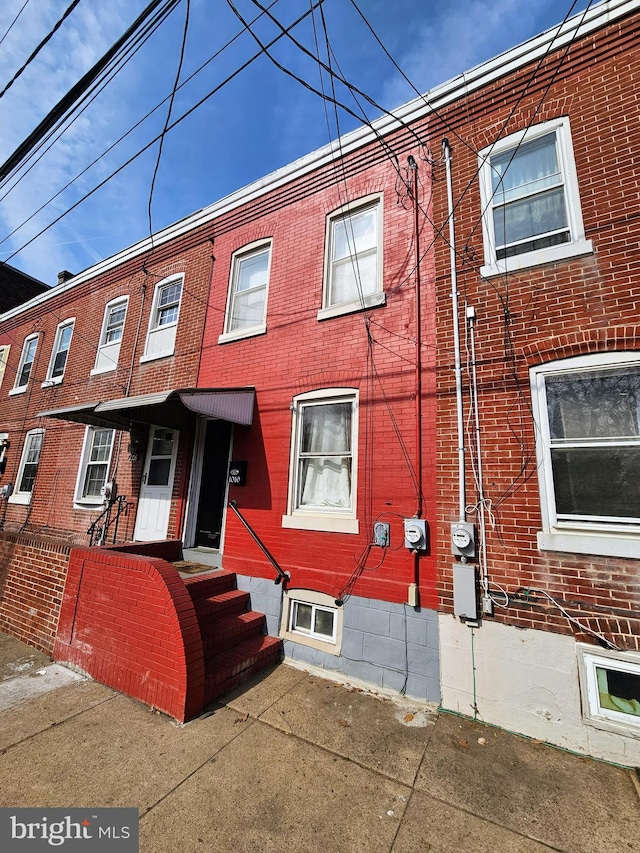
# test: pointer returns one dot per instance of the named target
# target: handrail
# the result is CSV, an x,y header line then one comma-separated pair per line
x,y
97,532
283,576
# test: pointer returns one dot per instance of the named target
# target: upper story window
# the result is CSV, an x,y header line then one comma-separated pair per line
x,y
530,201
588,416
28,467
353,259
26,364
247,299
94,465
4,357
165,310
111,335
59,353
322,479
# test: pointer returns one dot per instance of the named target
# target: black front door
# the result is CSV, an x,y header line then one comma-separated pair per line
x,y
213,486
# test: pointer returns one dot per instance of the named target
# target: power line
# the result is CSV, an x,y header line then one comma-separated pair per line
x,y
23,7
37,50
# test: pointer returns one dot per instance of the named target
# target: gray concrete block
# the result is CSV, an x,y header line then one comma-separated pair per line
x,y
366,619
385,652
363,670
423,661
352,642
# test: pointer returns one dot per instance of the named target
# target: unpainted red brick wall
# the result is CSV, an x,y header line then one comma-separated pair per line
x,y
128,621
570,308
51,509
32,578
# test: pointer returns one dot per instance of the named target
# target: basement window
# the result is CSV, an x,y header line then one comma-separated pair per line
x,y
312,619
610,687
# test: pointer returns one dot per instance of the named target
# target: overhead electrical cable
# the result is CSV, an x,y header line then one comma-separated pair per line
x,y
68,101
124,135
22,8
37,50
173,124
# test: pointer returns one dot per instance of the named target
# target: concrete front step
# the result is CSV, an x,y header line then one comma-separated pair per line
x,y
230,668
227,632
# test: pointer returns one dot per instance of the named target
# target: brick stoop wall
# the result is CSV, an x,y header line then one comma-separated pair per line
x,y
32,577
127,620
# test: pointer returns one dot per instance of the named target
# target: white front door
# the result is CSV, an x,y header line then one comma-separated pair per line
x,y
154,504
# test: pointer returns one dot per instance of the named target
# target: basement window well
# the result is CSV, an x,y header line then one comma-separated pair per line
x,y
610,688
312,619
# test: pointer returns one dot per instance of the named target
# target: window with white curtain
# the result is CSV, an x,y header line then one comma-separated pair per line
x,y
587,413
28,468
322,493
163,321
108,352
27,359
94,465
530,201
353,258
247,298
60,353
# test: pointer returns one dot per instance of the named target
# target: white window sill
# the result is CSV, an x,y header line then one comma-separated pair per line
x,y
156,355
15,391
374,300
85,504
48,383
98,370
326,523
590,542
23,498
239,334
563,252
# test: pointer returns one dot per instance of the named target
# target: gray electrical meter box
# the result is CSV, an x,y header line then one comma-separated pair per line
x,y
465,596
463,539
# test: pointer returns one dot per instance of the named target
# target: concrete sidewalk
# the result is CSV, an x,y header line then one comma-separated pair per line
x,y
294,762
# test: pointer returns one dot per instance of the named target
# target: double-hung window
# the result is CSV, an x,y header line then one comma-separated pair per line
x,y
25,364
59,353
322,480
247,299
4,357
94,465
163,322
530,201
588,440
353,259
28,467
111,335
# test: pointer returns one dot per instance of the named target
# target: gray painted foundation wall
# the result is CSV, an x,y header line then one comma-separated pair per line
x,y
383,644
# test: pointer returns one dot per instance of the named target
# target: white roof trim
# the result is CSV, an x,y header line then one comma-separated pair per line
x,y
558,36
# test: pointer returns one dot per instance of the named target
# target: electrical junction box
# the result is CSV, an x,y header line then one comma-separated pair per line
x,y
463,539
6,491
381,534
415,534
465,594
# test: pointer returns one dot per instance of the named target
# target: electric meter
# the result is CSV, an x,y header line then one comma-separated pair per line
x,y
415,534
463,539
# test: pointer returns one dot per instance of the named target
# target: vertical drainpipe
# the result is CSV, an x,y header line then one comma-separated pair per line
x,y
462,502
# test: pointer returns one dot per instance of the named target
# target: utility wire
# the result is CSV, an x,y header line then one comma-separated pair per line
x,y
24,5
37,50
63,106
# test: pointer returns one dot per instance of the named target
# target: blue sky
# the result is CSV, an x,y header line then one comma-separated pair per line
x,y
258,122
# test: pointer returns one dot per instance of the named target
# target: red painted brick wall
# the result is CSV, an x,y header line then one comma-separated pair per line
x,y
129,622
569,308
374,353
32,578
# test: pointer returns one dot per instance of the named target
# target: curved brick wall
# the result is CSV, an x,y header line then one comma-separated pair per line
x,y
128,621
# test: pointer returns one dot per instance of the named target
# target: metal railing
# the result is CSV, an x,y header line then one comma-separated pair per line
x,y
99,528
282,577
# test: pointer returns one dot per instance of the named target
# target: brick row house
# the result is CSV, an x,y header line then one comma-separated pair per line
x,y
398,377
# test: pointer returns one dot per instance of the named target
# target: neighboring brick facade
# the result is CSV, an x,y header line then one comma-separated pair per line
x,y
541,314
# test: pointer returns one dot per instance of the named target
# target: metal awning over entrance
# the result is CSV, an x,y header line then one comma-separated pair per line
x,y
173,409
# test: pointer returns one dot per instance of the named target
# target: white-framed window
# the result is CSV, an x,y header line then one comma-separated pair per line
x,y
530,200
163,321
59,353
28,467
323,465
312,619
115,314
247,297
4,357
353,258
94,465
610,689
25,364
587,413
